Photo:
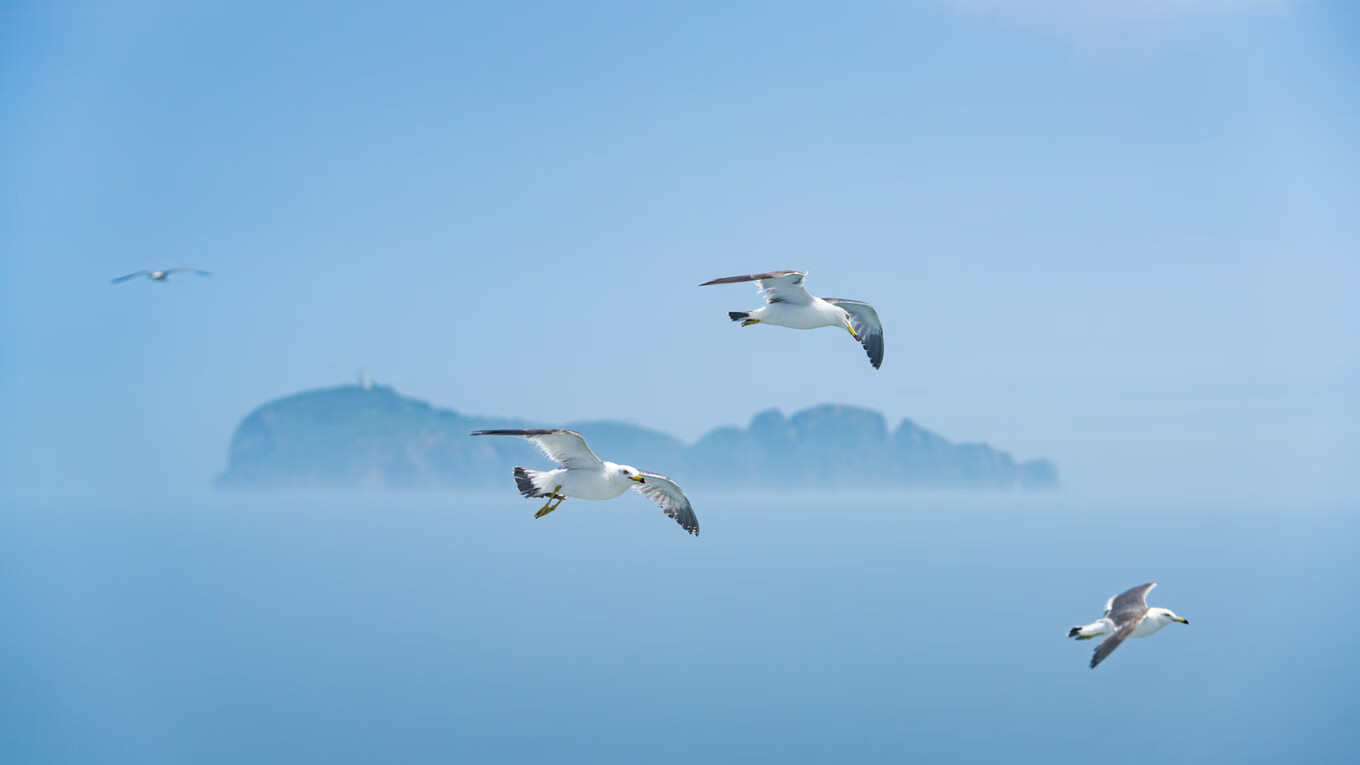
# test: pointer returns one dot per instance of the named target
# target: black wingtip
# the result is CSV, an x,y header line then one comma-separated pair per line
x,y
874,348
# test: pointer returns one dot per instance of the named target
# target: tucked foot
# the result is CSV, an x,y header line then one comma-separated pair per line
x,y
749,322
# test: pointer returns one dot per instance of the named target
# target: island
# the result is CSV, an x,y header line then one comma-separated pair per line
x,y
370,436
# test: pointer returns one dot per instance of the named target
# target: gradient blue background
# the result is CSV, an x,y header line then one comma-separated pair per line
x,y
1123,238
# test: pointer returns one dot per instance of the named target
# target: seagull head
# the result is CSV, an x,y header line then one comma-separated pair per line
x,y
631,473
850,326
1167,615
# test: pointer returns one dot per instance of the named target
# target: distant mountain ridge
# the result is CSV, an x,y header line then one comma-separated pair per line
x,y
370,436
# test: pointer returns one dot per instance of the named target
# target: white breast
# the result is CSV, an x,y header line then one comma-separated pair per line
x,y
818,313
1149,625
591,484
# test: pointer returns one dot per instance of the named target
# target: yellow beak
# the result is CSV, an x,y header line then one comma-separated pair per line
x,y
1182,621
639,479
852,331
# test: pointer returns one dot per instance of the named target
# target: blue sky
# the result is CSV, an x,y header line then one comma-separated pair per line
x,y
1128,242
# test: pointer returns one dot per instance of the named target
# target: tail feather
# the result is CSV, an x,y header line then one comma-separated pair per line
x,y
524,481
1070,633
738,315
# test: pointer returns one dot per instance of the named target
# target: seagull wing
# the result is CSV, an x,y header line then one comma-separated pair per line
x,y
868,328
667,494
1112,642
132,275
197,271
1129,604
565,446
776,286
1126,610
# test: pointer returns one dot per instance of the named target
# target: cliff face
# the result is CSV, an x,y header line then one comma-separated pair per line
x,y
356,437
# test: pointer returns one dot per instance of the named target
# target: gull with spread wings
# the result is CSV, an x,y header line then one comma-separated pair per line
x,y
160,276
585,476
788,304
1126,616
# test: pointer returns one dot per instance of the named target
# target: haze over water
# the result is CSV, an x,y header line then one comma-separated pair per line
x,y
868,628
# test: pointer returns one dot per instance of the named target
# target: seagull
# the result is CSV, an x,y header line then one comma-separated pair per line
x,y
160,276
1126,615
585,476
788,304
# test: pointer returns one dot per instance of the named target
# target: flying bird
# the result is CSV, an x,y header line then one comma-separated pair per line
x,y
1126,615
788,304
160,276
585,476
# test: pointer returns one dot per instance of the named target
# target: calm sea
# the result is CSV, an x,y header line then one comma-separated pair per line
x,y
797,628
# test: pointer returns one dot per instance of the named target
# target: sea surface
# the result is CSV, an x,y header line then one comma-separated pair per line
x,y
835,627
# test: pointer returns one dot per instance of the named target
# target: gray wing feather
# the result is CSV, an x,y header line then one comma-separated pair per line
x,y
776,286
864,319
197,271
564,446
750,278
1112,642
132,275
1130,604
666,493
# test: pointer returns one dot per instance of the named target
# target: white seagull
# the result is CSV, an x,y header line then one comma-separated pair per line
x,y
160,276
1126,615
788,304
585,476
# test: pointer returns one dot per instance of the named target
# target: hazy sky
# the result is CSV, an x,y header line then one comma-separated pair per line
x,y
1127,240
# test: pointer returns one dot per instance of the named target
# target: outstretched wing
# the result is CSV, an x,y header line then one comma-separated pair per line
x,y
1129,604
776,286
868,328
565,446
1112,642
132,275
667,494
199,272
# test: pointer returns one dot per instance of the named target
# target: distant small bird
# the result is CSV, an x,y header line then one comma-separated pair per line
x,y
1126,615
160,276
585,476
788,304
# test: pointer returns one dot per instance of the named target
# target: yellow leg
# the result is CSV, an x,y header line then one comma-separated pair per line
x,y
749,322
548,506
